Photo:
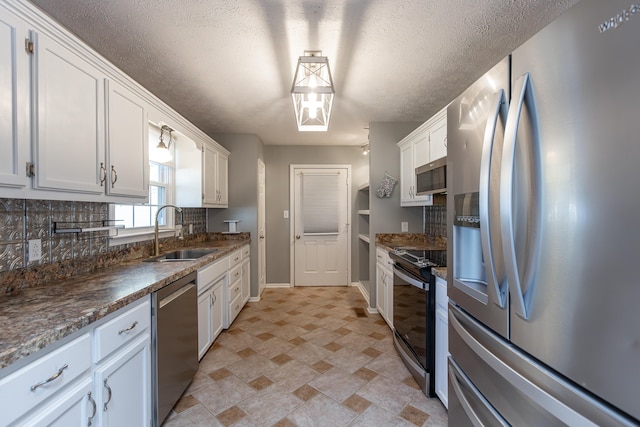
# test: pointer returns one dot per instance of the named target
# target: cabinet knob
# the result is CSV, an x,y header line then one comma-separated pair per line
x,y
297,237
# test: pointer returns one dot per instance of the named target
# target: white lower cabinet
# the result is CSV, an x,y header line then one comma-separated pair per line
x,y
68,408
210,314
384,286
79,384
123,386
442,341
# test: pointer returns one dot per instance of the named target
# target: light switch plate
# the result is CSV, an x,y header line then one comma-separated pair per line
x,y
285,214
404,226
35,250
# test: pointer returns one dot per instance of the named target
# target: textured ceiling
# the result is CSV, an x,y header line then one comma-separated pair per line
x,y
227,66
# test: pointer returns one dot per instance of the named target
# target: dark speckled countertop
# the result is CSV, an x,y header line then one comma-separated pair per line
x,y
34,317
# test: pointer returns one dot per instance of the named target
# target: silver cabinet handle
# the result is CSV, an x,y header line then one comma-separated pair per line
x,y
445,142
103,174
93,403
133,325
106,385
51,378
114,176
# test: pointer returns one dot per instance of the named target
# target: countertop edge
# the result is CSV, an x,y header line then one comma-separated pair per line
x,y
39,340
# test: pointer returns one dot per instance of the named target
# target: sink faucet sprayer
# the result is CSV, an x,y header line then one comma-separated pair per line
x,y
156,244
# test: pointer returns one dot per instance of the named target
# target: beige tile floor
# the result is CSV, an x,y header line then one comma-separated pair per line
x,y
305,357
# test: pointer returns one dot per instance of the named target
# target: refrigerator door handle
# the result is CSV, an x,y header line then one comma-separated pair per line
x,y
520,299
458,380
553,405
497,109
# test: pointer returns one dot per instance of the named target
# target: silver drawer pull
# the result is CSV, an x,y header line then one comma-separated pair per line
x,y
51,378
93,403
133,325
106,385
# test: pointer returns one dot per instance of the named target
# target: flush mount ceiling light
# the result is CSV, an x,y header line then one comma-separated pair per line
x,y
312,92
365,149
163,151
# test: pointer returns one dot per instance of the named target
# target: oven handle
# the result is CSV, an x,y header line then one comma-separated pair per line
x,y
399,271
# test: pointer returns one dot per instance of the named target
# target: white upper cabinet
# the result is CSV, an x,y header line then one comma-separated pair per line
x,y
69,134
201,175
428,142
127,134
14,108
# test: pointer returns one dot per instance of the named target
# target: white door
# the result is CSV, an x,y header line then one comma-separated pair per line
x,y
321,230
262,265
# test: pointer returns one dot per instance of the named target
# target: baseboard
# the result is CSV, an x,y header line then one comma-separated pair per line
x,y
254,299
372,310
363,291
278,285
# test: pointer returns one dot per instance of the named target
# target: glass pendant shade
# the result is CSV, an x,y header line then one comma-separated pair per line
x,y
312,92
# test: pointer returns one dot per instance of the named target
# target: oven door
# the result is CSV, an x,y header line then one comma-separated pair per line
x,y
410,300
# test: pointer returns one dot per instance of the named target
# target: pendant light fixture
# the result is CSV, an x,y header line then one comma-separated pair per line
x,y
312,92
162,152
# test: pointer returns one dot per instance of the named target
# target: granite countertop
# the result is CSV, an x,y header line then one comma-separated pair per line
x,y
34,317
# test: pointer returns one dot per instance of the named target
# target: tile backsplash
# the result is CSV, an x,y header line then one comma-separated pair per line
x,y
435,221
24,220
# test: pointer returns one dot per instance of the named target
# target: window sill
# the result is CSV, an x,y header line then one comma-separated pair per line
x,y
125,238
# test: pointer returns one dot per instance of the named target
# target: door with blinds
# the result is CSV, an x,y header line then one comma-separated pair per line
x,y
321,228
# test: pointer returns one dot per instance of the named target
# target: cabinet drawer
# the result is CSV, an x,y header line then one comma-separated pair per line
x,y
235,273
235,289
208,274
27,387
120,330
235,258
382,257
234,308
246,252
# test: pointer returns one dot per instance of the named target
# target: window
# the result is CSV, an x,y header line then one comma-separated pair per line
x,y
139,219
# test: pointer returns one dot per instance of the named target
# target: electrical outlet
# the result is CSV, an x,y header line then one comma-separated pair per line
x,y
35,250
190,228
404,226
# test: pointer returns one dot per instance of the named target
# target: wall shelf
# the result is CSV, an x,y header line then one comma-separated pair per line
x,y
363,237
364,212
84,227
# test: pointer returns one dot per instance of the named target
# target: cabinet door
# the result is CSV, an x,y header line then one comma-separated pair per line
x,y
74,407
407,175
217,311
123,386
246,280
209,176
420,150
442,350
205,321
69,131
438,139
222,184
380,291
127,143
14,109
388,290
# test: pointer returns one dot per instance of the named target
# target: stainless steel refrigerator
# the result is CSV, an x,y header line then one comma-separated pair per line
x,y
544,224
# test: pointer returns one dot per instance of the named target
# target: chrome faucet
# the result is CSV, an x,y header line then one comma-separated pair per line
x,y
156,244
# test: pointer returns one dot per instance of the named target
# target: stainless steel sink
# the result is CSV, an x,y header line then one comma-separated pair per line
x,y
181,255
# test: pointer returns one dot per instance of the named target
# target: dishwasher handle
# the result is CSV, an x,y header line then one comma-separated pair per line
x,y
175,295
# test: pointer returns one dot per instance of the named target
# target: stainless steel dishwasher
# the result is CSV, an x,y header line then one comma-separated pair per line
x,y
175,340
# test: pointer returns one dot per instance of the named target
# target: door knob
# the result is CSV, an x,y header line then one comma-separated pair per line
x,y
262,237
297,237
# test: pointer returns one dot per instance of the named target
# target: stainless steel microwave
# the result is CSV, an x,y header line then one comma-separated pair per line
x,y
432,177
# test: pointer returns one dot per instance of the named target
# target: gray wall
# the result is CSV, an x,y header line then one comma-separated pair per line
x,y
386,213
245,150
277,160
